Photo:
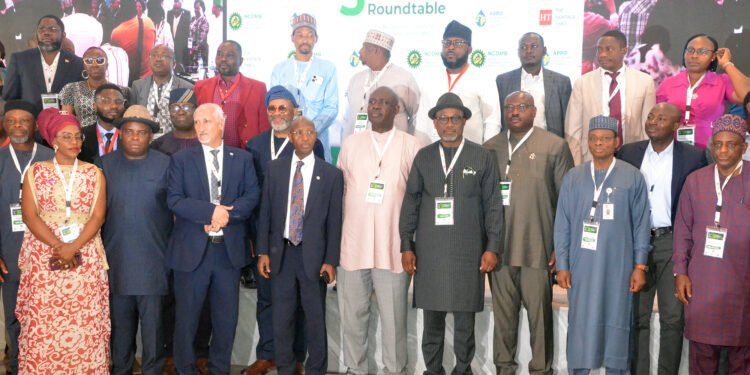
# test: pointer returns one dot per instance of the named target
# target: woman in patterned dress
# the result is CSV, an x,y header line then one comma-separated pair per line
x,y
63,297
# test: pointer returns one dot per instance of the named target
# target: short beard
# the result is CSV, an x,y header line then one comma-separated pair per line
x,y
450,139
101,117
461,61
281,128
52,47
17,140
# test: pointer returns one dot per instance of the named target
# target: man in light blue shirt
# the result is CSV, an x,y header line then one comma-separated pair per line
x,y
312,81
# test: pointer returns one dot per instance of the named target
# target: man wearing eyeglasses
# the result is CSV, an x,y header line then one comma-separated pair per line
x,y
452,203
103,137
267,146
153,91
462,76
38,74
181,109
551,90
532,163
136,190
602,247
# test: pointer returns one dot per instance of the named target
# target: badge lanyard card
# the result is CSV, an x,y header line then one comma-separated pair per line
x,y
506,183
299,80
686,133
68,232
590,231
444,207
716,236
16,216
360,121
376,187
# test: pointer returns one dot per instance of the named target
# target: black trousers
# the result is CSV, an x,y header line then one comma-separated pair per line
x,y
433,338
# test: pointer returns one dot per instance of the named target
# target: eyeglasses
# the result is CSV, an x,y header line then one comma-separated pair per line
x,y
161,57
601,139
299,133
140,133
281,109
108,101
97,61
51,29
700,51
70,137
521,107
447,43
527,47
730,145
177,107
455,120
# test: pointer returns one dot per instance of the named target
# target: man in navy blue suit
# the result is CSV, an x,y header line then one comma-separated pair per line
x,y
665,164
299,237
212,190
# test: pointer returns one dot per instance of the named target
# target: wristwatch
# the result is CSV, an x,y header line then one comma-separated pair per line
x,y
642,267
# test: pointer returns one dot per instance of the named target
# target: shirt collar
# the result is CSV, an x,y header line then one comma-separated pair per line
x,y
667,151
207,149
527,76
621,71
103,131
231,82
308,160
54,61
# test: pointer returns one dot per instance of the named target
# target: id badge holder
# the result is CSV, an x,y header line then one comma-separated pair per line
x,y
69,233
686,134
589,235
505,188
50,101
16,219
716,238
375,192
360,124
444,211
608,211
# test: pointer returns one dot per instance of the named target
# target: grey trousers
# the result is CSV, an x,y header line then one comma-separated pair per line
x,y
355,290
433,338
660,281
511,287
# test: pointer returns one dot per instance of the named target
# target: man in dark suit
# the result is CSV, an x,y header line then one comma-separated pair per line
x,y
102,137
551,90
208,247
42,70
665,164
179,24
299,237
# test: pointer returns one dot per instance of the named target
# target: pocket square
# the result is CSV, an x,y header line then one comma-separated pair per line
x,y
469,171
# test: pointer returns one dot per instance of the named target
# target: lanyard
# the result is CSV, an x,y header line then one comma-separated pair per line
x,y
18,166
274,154
689,98
605,105
225,94
381,153
453,84
111,144
512,149
598,189
720,189
447,171
68,186
300,79
369,85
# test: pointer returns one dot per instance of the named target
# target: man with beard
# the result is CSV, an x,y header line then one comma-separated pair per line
x,y
154,90
181,109
102,138
240,97
551,90
312,81
36,75
19,123
271,145
469,83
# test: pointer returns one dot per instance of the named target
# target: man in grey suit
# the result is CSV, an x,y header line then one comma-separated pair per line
x,y
551,90
153,90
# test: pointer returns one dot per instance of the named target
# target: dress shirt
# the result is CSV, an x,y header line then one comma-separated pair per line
x,y
233,109
209,159
103,132
307,172
49,70
657,170
176,21
606,81
534,85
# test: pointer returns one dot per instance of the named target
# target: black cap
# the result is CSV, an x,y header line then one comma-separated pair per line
x,y
457,30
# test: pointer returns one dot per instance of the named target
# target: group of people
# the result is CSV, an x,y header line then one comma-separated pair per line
x,y
171,189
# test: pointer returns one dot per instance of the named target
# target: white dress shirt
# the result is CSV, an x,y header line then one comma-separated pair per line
x,y
103,132
209,159
534,85
307,175
657,170
606,81
50,70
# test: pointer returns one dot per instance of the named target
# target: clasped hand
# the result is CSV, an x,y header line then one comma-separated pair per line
x,y
219,219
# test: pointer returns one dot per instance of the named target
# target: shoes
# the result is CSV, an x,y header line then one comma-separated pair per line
x,y
248,281
260,367
299,369
169,366
202,365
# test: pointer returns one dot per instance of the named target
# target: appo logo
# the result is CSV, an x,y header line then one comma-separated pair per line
x,y
353,11
354,59
545,17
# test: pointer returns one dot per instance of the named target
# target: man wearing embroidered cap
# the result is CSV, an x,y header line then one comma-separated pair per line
x,y
711,247
452,203
20,124
602,238
375,54
182,103
312,81
475,88
136,190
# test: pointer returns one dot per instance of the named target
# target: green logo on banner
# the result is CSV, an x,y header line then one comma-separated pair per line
x,y
478,58
353,11
235,21
414,58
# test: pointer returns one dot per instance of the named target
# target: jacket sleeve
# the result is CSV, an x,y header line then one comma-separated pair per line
x,y
194,210
334,221
12,84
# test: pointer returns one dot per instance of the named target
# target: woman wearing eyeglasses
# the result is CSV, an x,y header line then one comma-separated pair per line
x,y
701,93
78,97
63,297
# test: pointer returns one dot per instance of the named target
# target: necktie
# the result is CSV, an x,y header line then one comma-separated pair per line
x,y
297,207
214,180
615,106
108,143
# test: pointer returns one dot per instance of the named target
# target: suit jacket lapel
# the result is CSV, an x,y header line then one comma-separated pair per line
x,y
315,185
284,171
228,166
677,172
36,66
515,84
641,154
63,67
547,81
200,164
